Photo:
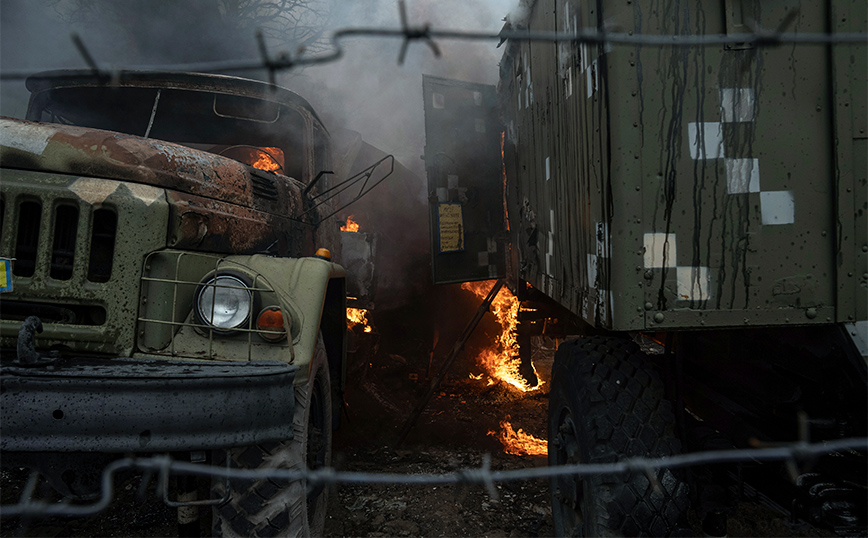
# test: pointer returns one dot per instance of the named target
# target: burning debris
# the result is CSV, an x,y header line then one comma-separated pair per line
x,y
358,316
350,226
519,443
500,360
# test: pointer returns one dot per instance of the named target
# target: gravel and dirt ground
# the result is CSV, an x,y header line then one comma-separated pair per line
x,y
455,431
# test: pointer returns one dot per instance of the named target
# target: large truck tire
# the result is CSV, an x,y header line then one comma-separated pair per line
x,y
279,508
606,405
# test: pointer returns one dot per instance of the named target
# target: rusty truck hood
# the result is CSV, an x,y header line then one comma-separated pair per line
x,y
68,149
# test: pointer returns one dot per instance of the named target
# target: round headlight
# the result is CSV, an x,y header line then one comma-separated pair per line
x,y
224,302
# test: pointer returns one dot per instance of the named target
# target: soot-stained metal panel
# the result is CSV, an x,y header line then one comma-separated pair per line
x,y
465,181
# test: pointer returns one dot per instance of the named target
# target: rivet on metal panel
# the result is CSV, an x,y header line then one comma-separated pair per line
x,y
648,306
649,274
811,313
864,248
747,321
659,317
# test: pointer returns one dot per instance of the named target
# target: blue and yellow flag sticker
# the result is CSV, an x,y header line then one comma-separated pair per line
x,y
5,275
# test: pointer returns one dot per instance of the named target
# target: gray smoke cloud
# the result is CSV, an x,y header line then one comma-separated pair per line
x,y
366,91
370,93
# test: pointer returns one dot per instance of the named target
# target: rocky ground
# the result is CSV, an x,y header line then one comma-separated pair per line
x,y
455,432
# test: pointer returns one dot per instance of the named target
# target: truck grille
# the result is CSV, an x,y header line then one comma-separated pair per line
x,y
65,226
27,243
63,250
102,245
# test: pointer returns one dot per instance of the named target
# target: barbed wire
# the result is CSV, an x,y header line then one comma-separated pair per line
x,y
758,37
792,454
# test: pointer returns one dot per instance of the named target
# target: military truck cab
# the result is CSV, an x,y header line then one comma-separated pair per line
x,y
159,233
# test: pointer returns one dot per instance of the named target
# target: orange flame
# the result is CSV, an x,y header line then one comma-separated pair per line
x,y
350,226
519,443
270,159
501,359
358,316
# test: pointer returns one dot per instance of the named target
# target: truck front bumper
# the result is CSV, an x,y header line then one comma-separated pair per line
x,y
144,405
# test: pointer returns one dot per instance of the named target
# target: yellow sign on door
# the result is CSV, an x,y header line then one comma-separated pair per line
x,y
451,227
5,275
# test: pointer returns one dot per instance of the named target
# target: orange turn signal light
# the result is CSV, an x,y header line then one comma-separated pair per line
x,y
323,253
270,324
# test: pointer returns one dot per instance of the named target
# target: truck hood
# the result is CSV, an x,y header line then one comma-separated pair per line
x,y
68,149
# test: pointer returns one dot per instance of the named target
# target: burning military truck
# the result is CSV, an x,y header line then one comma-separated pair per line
x,y
169,287
707,201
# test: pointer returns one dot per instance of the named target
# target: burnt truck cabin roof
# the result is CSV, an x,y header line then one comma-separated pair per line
x,y
201,82
210,112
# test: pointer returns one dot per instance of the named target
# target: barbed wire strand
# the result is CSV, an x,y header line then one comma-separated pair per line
x,y
759,37
165,465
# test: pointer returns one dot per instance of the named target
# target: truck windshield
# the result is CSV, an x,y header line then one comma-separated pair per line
x,y
259,133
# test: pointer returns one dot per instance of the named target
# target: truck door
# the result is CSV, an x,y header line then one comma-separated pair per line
x,y
465,181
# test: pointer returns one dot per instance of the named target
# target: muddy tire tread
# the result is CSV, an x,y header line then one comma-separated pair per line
x,y
618,405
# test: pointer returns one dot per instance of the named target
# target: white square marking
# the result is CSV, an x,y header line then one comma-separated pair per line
x,y
551,250
737,104
705,140
439,100
692,283
477,98
591,75
742,175
592,270
659,250
778,207
602,236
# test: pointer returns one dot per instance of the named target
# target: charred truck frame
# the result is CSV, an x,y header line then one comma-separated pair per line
x,y
711,198
159,232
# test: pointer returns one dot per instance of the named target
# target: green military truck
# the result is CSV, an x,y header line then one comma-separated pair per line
x,y
711,198
164,291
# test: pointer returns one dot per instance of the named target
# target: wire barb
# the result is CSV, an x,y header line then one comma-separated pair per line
x,y
423,33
